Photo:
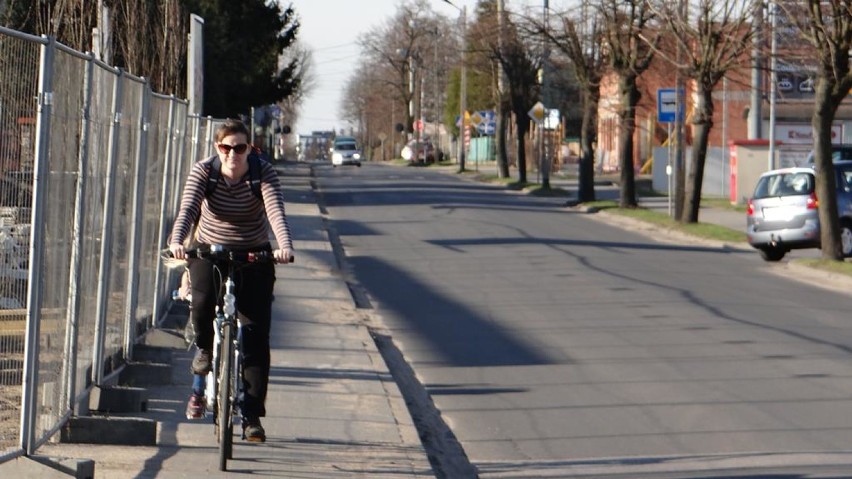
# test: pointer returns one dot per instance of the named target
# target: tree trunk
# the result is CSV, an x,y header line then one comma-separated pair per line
x,y
703,123
826,106
521,122
502,127
629,99
588,136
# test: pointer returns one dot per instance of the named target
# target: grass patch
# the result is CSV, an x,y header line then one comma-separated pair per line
x,y
702,230
601,204
494,179
537,190
723,203
839,267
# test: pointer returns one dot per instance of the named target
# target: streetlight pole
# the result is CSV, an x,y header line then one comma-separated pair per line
x,y
436,110
463,94
545,96
463,86
773,86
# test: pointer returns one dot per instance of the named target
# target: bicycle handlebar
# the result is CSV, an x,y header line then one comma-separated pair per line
x,y
217,252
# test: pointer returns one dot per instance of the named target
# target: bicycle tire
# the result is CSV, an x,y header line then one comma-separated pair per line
x,y
225,416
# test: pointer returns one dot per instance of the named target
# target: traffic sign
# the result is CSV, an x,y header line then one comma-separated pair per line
x,y
537,112
667,105
485,121
552,120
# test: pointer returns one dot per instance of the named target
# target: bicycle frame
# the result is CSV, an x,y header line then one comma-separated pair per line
x,y
224,383
219,322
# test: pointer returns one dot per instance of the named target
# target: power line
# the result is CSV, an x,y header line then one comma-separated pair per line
x,y
342,45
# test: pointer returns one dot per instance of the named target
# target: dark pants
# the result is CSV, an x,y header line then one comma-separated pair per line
x,y
254,285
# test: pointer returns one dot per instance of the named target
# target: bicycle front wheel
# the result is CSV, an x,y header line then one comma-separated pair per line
x,y
225,414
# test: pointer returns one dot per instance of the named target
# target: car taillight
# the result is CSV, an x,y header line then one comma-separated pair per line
x,y
750,210
813,202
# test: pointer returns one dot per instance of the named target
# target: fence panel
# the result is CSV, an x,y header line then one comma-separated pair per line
x,y
159,144
151,210
115,159
61,181
19,67
127,136
100,119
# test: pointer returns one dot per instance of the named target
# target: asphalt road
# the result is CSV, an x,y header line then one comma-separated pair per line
x,y
557,345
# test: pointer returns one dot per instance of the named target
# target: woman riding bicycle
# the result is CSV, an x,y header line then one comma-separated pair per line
x,y
233,213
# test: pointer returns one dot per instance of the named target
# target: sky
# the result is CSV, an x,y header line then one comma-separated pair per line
x,y
330,29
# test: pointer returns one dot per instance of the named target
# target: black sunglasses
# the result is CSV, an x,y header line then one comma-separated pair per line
x,y
238,149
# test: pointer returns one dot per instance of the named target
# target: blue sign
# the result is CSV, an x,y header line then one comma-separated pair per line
x,y
487,124
667,105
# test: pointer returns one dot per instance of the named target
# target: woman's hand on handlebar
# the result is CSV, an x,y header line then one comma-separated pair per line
x,y
177,250
283,255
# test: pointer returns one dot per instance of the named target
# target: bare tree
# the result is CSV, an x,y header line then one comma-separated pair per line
x,y
137,24
402,44
578,36
826,25
713,38
630,40
490,35
290,106
69,21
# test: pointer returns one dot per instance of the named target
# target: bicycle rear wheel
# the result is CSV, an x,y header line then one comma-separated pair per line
x,y
225,415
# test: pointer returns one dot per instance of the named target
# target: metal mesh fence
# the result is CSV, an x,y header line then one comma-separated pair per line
x,y
61,183
94,179
149,220
19,66
111,158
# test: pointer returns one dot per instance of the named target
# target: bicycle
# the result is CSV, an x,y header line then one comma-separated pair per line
x,y
224,384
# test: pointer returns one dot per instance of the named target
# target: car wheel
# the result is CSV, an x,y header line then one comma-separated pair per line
x,y
772,254
846,238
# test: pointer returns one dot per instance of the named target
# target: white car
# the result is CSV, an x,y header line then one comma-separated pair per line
x,y
345,152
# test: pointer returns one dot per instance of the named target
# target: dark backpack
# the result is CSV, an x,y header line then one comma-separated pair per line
x,y
254,174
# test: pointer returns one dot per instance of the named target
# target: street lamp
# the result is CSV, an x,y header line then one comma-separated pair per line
x,y
463,86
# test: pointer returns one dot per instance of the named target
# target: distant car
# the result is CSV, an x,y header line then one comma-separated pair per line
x,y
425,151
345,151
839,152
782,213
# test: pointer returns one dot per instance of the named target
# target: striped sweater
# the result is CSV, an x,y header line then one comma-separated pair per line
x,y
232,215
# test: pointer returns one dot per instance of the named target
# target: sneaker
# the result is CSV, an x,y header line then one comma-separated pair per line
x,y
201,362
253,431
195,408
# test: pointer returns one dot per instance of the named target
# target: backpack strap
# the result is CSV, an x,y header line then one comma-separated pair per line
x,y
213,176
215,173
254,174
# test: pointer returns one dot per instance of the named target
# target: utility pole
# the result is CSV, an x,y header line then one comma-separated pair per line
x,y
436,106
501,107
463,98
545,96
463,86
773,92
754,112
680,170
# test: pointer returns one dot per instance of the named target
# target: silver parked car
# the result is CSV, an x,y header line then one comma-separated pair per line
x,y
782,213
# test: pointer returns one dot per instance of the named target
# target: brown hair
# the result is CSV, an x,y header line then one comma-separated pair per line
x,y
231,127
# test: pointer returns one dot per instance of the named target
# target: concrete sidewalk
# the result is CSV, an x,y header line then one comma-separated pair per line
x,y
333,408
